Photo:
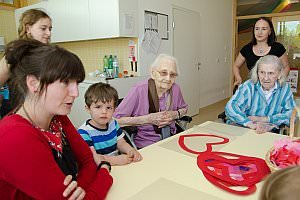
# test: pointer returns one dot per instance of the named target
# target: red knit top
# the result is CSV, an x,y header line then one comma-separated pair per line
x,y
28,169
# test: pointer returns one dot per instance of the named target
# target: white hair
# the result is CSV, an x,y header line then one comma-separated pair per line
x,y
275,62
161,57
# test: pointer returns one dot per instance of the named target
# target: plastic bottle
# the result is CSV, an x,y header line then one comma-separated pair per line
x,y
110,68
105,64
116,66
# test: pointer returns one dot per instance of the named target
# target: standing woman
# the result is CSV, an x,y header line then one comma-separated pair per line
x,y
263,43
34,24
39,146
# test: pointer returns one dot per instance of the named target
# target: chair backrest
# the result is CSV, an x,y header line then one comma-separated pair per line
x,y
295,112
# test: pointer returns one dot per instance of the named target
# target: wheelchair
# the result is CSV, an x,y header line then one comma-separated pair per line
x,y
131,131
283,129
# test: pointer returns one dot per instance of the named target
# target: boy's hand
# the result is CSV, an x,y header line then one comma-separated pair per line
x,y
135,155
123,159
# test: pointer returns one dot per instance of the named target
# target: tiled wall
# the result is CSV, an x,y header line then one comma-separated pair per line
x,y
92,52
7,26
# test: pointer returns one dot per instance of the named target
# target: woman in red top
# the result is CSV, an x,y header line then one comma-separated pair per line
x,y
39,146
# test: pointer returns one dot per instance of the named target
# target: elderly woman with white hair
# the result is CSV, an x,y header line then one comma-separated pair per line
x,y
265,101
153,105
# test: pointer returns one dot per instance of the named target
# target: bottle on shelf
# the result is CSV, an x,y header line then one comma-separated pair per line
x,y
105,64
116,66
110,68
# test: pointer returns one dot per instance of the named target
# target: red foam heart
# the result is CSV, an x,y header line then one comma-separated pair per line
x,y
224,172
208,145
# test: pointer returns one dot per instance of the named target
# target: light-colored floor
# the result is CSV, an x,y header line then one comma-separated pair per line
x,y
208,113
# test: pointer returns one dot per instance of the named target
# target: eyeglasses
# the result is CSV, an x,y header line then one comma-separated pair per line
x,y
165,73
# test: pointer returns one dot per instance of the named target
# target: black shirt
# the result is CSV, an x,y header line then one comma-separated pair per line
x,y
277,49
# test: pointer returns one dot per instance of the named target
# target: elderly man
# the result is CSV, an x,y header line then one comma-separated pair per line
x,y
153,105
265,101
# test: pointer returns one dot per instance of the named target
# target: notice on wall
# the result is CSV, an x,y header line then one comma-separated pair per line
x,y
157,22
292,79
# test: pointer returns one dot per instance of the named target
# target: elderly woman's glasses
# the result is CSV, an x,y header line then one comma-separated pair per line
x,y
165,73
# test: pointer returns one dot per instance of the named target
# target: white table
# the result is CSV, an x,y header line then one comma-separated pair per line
x,y
169,172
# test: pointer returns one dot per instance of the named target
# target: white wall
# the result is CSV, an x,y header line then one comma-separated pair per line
x,y
216,42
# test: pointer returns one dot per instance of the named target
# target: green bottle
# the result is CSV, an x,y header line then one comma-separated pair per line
x,y
105,64
110,67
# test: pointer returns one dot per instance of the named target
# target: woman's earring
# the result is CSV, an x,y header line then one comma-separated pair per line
x,y
35,90
29,35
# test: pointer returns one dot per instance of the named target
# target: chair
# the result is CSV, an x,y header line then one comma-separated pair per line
x,y
222,115
131,131
295,112
283,129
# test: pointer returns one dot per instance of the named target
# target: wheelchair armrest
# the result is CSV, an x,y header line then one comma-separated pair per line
x,y
130,132
186,118
283,129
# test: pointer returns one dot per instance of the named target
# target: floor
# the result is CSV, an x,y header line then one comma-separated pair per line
x,y
208,113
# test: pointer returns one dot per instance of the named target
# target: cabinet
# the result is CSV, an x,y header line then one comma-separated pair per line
x,y
113,18
78,114
75,20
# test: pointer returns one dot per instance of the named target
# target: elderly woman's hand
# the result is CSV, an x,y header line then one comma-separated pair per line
x,y
161,119
258,118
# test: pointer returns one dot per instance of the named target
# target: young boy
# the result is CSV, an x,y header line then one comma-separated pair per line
x,y
101,132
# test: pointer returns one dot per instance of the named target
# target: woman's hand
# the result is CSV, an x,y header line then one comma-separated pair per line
x,y
161,119
97,157
76,192
238,81
258,118
260,127
251,125
239,61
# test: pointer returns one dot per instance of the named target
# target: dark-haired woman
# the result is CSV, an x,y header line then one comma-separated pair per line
x,y
263,43
39,146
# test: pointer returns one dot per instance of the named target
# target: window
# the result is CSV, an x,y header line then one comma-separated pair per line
x,y
13,3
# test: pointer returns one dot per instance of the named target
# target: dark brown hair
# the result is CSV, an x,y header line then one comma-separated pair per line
x,y
48,63
28,18
271,38
101,92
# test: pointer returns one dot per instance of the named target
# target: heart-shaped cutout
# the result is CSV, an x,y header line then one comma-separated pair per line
x,y
209,145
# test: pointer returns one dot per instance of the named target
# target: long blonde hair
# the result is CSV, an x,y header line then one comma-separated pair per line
x,y
28,18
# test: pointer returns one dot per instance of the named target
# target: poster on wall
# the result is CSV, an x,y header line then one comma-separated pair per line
x,y
292,79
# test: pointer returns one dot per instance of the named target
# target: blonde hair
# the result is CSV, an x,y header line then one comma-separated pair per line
x,y
268,59
28,18
282,184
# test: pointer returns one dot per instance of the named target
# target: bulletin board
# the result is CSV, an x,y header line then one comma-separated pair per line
x,y
157,22
293,81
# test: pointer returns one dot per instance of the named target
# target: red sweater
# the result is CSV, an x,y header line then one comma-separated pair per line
x,y
28,169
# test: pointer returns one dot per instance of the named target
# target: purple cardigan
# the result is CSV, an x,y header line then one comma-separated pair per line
x,y
136,104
